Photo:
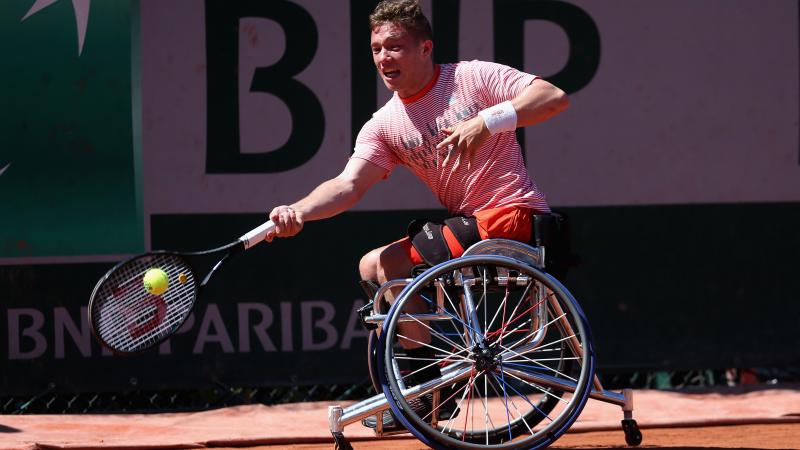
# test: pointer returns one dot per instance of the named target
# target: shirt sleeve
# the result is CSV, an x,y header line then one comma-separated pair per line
x,y
372,147
500,82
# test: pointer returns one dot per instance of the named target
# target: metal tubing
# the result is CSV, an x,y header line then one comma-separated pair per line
x,y
615,398
472,314
627,407
365,408
378,403
573,342
335,419
385,287
422,317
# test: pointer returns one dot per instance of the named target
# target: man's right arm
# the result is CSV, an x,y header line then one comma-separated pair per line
x,y
328,199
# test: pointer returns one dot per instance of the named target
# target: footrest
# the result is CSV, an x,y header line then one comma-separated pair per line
x,y
364,312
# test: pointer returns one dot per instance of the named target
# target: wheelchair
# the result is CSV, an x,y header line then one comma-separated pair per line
x,y
512,346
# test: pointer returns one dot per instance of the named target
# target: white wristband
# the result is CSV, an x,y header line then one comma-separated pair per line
x,y
500,117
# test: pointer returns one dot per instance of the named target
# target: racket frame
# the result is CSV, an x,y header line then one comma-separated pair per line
x,y
232,249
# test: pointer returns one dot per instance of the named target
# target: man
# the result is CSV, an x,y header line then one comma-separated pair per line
x,y
453,126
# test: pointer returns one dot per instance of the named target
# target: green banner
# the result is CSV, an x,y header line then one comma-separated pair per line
x,y
68,169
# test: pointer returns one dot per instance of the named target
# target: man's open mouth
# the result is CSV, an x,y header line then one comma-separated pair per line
x,y
391,74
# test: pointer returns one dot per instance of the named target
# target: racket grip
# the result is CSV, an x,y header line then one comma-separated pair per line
x,y
257,234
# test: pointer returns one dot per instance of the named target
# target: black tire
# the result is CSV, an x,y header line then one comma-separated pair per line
x,y
633,436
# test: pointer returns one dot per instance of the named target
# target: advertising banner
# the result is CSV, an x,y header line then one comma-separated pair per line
x,y
136,125
69,183
665,108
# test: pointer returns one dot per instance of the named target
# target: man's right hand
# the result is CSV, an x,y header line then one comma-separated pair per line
x,y
288,222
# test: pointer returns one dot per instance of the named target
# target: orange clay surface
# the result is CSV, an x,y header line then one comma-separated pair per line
x,y
762,418
771,436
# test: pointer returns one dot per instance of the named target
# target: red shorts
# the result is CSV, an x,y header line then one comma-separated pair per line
x,y
507,222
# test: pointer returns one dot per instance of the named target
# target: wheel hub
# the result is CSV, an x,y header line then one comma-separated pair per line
x,y
485,357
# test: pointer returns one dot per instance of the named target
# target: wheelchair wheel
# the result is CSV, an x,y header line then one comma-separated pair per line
x,y
544,404
513,348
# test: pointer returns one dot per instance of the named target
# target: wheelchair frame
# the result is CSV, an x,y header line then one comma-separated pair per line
x,y
504,266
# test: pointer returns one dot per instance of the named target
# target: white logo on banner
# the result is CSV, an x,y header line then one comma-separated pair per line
x,y
81,8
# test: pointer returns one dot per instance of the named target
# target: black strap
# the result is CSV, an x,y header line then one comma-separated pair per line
x,y
429,241
465,229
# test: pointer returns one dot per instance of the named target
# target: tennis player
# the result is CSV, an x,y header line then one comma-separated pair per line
x,y
453,126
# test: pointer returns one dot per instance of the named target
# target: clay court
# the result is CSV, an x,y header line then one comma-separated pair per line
x,y
772,436
758,418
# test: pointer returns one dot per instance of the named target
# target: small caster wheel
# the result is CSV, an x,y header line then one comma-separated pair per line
x,y
340,442
633,436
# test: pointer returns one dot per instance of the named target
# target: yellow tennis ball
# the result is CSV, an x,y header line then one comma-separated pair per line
x,y
156,281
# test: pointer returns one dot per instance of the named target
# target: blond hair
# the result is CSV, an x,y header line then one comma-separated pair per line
x,y
406,13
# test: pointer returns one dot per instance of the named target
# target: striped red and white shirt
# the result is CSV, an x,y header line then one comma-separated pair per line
x,y
406,131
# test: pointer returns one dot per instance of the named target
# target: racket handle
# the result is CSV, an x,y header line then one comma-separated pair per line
x,y
257,235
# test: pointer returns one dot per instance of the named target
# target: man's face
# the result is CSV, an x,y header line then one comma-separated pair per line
x,y
403,62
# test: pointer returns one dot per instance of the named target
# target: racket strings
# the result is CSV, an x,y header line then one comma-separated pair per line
x,y
128,318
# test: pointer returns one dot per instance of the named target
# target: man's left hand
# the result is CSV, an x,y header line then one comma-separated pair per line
x,y
464,138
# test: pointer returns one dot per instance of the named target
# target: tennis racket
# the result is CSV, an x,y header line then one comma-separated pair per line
x,y
128,319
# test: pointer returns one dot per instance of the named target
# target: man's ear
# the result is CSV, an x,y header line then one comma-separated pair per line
x,y
427,47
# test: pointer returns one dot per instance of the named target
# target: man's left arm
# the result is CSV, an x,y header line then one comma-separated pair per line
x,y
538,102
